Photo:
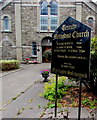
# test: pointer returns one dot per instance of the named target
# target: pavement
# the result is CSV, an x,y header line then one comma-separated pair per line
x,y
21,98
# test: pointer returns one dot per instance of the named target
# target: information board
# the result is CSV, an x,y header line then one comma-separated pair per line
x,y
71,49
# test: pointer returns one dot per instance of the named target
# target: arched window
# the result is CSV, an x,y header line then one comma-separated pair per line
x,y
91,23
6,23
53,15
54,8
44,15
44,8
34,48
90,20
48,15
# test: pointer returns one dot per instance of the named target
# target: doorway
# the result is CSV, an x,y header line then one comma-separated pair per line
x,y
46,49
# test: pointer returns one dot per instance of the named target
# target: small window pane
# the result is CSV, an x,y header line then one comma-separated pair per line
x,y
44,22
54,8
6,23
44,8
54,23
34,48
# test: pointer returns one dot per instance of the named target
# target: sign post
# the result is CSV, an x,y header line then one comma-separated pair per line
x,y
71,50
80,91
56,95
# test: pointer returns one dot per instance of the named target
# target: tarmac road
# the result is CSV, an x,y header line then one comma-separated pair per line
x,y
15,82
20,88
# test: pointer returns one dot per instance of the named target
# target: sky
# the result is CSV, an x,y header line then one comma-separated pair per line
x,y
94,0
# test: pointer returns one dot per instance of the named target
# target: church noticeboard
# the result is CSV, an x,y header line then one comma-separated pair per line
x,y
71,49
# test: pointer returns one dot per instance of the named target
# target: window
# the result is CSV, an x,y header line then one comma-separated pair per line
x,y
34,48
44,9
6,23
48,16
54,21
44,23
53,16
90,20
54,8
44,16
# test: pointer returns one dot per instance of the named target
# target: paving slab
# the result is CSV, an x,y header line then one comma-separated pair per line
x,y
29,105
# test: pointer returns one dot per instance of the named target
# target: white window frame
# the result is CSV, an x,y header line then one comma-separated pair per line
x,y
90,16
2,23
49,18
42,24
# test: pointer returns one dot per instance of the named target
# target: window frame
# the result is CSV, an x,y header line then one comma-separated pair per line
x,y
53,25
44,24
3,25
90,17
49,16
6,23
91,25
53,15
34,49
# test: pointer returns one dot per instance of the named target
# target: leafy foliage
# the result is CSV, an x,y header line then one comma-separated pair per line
x,y
93,77
49,89
68,95
88,102
94,56
47,54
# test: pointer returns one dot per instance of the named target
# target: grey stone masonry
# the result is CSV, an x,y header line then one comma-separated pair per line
x,y
25,25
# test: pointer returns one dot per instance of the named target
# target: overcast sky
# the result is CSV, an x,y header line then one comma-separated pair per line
x,y
94,0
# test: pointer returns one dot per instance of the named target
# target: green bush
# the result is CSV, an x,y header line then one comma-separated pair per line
x,y
47,54
49,89
94,56
93,77
6,65
91,104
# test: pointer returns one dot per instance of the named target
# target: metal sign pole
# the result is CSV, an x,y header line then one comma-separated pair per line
x,y
56,95
80,91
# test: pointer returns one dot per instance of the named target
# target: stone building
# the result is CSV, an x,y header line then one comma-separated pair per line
x,y
27,25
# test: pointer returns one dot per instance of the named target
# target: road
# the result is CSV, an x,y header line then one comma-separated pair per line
x,y
16,82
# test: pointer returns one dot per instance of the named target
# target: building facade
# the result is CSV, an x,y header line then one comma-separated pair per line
x,y
27,25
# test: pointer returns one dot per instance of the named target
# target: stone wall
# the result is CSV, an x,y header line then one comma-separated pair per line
x,y
30,26
64,12
8,41
9,10
30,31
87,12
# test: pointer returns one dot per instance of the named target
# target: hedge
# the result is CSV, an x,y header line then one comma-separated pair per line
x,y
6,65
